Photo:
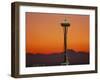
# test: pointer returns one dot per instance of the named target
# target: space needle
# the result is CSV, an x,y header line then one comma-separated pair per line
x,y
65,24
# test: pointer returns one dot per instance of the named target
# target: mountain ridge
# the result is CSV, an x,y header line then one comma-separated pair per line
x,y
75,58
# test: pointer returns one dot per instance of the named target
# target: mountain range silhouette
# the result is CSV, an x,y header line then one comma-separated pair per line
x,y
53,59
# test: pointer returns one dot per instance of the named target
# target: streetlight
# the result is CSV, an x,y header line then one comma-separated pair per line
x,y
65,24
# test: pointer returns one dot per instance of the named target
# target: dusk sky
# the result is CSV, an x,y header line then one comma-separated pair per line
x,y
44,33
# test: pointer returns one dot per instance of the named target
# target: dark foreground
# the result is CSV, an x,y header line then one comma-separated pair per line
x,y
75,58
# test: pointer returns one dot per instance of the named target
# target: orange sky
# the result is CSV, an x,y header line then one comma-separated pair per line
x,y
44,33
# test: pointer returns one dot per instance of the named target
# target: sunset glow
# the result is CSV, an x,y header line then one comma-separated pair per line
x,y
44,33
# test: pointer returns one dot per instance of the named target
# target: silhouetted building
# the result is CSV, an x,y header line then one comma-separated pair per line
x,y
65,24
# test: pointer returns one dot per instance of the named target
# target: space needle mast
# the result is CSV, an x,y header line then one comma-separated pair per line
x,y
65,24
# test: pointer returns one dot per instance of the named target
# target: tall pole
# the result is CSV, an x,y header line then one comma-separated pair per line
x,y
66,31
65,25
65,40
